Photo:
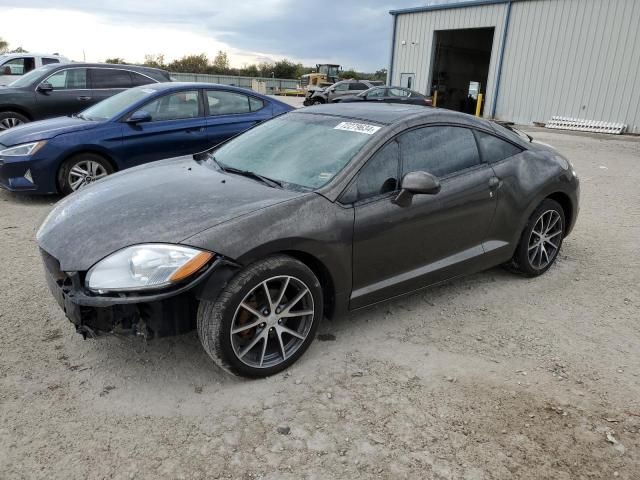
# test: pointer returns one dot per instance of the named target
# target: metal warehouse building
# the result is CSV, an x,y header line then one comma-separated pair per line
x,y
531,59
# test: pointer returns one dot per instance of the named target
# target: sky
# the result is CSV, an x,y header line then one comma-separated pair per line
x,y
354,34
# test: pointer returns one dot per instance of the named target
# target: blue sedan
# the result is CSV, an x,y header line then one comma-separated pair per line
x,y
136,126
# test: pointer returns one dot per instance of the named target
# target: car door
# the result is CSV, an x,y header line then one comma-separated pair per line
x,y
338,90
230,113
176,127
376,95
397,249
68,94
15,67
397,95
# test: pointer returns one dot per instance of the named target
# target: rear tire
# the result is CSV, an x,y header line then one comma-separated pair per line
x,y
11,119
81,170
247,333
540,241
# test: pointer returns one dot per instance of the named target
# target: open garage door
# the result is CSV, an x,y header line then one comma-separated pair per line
x,y
461,66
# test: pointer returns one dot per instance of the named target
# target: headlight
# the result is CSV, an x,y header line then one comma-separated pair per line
x,y
23,150
146,267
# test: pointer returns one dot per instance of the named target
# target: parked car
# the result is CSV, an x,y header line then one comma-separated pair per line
x,y
309,215
137,126
14,65
339,89
64,89
387,95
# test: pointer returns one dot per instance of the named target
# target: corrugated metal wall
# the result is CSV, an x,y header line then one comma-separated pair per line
x,y
574,58
417,31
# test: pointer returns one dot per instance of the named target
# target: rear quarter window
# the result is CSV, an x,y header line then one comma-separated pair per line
x,y
494,149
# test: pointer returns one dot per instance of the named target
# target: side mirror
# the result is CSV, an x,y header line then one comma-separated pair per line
x,y
45,87
415,183
139,117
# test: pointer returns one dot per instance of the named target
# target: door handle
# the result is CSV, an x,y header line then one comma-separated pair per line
x,y
83,98
195,130
494,182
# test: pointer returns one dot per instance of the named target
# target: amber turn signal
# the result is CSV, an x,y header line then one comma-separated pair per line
x,y
191,267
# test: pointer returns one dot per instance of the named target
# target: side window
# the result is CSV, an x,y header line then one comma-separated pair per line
x,y
494,149
357,86
378,177
222,102
398,92
376,93
18,66
255,104
137,79
49,61
175,106
69,79
342,87
110,78
438,150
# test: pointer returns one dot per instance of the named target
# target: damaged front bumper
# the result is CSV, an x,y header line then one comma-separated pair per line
x,y
158,314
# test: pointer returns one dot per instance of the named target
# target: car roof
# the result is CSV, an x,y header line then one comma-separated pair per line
x,y
394,113
382,113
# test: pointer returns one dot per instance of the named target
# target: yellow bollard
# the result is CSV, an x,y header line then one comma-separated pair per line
x,y
434,99
479,104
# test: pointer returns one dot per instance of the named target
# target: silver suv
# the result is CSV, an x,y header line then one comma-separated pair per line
x,y
339,89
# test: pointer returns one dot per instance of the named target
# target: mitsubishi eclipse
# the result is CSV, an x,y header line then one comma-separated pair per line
x,y
310,215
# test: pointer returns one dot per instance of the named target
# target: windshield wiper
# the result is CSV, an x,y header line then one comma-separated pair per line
x,y
248,173
80,116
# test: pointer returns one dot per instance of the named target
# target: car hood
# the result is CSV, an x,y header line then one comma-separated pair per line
x,y
166,201
44,130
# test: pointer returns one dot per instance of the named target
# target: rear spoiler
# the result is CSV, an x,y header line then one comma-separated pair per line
x,y
511,126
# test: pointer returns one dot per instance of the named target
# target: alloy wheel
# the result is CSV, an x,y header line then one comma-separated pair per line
x,y
272,321
85,172
9,122
545,239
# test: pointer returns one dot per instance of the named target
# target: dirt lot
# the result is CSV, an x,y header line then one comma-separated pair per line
x,y
492,376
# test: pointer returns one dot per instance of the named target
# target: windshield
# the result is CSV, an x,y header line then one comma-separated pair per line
x,y
106,109
28,78
300,150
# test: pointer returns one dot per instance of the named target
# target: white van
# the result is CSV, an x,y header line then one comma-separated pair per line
x,y
14,65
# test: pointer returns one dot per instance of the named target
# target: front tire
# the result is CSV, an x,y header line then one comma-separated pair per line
x,y
264,319
81,170
11,119
541,240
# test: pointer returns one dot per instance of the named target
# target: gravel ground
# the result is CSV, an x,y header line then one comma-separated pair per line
x,y
490,376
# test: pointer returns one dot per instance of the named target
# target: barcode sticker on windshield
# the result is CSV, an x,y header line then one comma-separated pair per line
x,y
357,127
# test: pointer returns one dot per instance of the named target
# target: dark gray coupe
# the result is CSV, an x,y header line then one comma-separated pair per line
x,y
309,215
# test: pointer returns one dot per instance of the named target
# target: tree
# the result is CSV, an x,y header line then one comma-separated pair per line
x,y
190,64
221,62
119,60
287,69
350,73
4,45
19,50
154,60
380,75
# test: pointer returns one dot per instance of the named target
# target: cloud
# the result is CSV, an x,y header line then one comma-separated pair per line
x,y
353,34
